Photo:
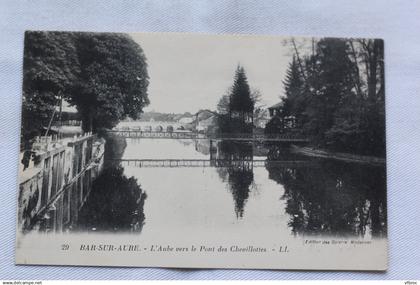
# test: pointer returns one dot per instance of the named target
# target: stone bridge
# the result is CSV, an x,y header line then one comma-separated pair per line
x,y
142,163
194,135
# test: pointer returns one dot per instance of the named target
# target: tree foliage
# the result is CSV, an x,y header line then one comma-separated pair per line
x,y
240,97
104,75
336,94
113,79
50,65
237,106
293,103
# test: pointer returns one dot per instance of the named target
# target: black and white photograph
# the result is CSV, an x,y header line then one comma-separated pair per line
x,y
202,151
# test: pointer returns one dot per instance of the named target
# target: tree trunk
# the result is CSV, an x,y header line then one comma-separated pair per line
x,y
299,61
373,64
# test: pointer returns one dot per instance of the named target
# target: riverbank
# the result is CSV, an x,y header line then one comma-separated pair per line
x,y
115,147
309,151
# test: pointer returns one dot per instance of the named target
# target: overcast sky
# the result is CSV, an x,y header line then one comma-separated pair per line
x,y
192,72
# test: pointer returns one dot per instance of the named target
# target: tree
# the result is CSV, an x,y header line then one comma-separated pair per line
x,y
294,103
332,85
294,90
50,66
275,125
236,108
113,80
259,107
373,120
360,121
336,94
241,102
104,75
223,104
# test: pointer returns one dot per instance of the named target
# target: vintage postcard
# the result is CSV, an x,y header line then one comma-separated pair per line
x,y
202,151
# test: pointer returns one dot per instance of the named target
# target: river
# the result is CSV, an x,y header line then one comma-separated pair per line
x,y
290,195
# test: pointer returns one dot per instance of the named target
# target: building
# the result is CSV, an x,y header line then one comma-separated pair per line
x,y
261,118
203,126
186,120
67,122
287,122
275,109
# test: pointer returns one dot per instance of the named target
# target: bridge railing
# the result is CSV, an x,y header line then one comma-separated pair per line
x,y
259,136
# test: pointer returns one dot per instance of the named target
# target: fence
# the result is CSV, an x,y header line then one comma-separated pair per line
x,y
55,187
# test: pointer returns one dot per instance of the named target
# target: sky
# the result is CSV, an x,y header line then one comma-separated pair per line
x,y
191,72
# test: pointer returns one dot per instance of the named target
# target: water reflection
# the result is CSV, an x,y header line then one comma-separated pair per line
x,y
303,196
239,176
281,152
115,204
334,198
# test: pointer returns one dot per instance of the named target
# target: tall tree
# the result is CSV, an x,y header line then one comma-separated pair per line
x,y
103,75
236,108
293,101
360,120
373,121
330,84
337,94
294,90
113,79
241,101
50,67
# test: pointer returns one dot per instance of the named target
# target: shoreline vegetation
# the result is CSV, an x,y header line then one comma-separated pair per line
x,y
348,157
333,92
102,76
114,149
335,96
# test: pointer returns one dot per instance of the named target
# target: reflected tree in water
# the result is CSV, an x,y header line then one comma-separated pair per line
x,y
281,151
334,198
239,174
115,204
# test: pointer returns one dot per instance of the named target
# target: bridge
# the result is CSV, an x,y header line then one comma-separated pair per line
x,y
142,163
194,135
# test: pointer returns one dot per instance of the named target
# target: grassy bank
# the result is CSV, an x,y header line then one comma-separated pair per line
x,y
309,151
